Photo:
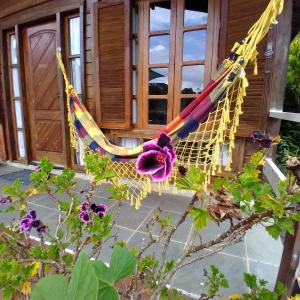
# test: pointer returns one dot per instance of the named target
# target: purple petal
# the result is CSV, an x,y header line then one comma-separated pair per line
x,y
171,151
163,140
169,165
160,175
151,146
32,214
147,162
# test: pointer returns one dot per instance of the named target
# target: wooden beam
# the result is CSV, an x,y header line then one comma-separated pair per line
x,y
282,115
280,65
289,261
65,126
8,126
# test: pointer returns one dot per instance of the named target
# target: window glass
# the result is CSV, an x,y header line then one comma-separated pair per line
x,y
195,12
160,14
74,36
16,83
159,49
135,52
129,142
185,102
134,82
158,81
135,20
194,44
18,114
134,111
75,74
192,79
13,49
21,143
157,111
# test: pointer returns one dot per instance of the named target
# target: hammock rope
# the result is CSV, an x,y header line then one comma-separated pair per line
x,y
202,133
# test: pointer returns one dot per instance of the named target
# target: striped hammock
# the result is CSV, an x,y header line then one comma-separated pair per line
x,y
201,133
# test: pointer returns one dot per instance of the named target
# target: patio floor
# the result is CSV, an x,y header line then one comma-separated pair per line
x,y
258,253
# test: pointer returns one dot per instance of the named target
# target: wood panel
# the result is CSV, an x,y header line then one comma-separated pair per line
x,y
241,16
113,49
45,115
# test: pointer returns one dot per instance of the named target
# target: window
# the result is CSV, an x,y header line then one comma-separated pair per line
x,y
73,57
174,43
16,95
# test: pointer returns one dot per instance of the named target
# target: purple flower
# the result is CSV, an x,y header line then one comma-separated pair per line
x,y
99,210
182,170
263,139
157,159
32,213
41,229
26,223
84,205
37,169
5,200
84,216
30,221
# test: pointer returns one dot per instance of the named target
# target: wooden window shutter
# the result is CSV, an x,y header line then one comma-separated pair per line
x,y
113,63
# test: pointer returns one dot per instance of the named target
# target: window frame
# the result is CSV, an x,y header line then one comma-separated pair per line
x,y
68,57
12,98
175,63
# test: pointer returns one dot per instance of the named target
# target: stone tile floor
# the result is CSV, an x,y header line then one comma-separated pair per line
x,y
258,253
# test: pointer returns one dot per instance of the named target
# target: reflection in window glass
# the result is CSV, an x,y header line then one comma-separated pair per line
x,y
21,143
157,111
159,49
134,82
75,74
134,111
74,36
192,79
18,113
158,81
134,51
15,81
135,20
160,14
195,12
194,44
185,102
13,49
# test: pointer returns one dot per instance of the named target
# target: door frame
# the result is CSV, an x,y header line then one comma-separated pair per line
x,y
15,23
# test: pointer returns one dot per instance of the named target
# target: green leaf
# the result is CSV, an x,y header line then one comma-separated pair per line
x,y
193,180
274,231
64,206
200,217
250,280
280,289
287,225
105,281
49,288
122,263
9,209
83,284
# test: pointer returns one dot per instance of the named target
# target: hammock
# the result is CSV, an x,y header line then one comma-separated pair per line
x,y
201,133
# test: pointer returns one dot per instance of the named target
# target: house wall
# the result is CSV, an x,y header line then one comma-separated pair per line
x,y
236,18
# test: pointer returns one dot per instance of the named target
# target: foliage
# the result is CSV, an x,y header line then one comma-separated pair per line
x,y
293,78
290,131
89,279
84,223
215,280
258,291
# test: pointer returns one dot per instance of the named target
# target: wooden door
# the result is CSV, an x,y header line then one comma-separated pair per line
x,y
45,115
